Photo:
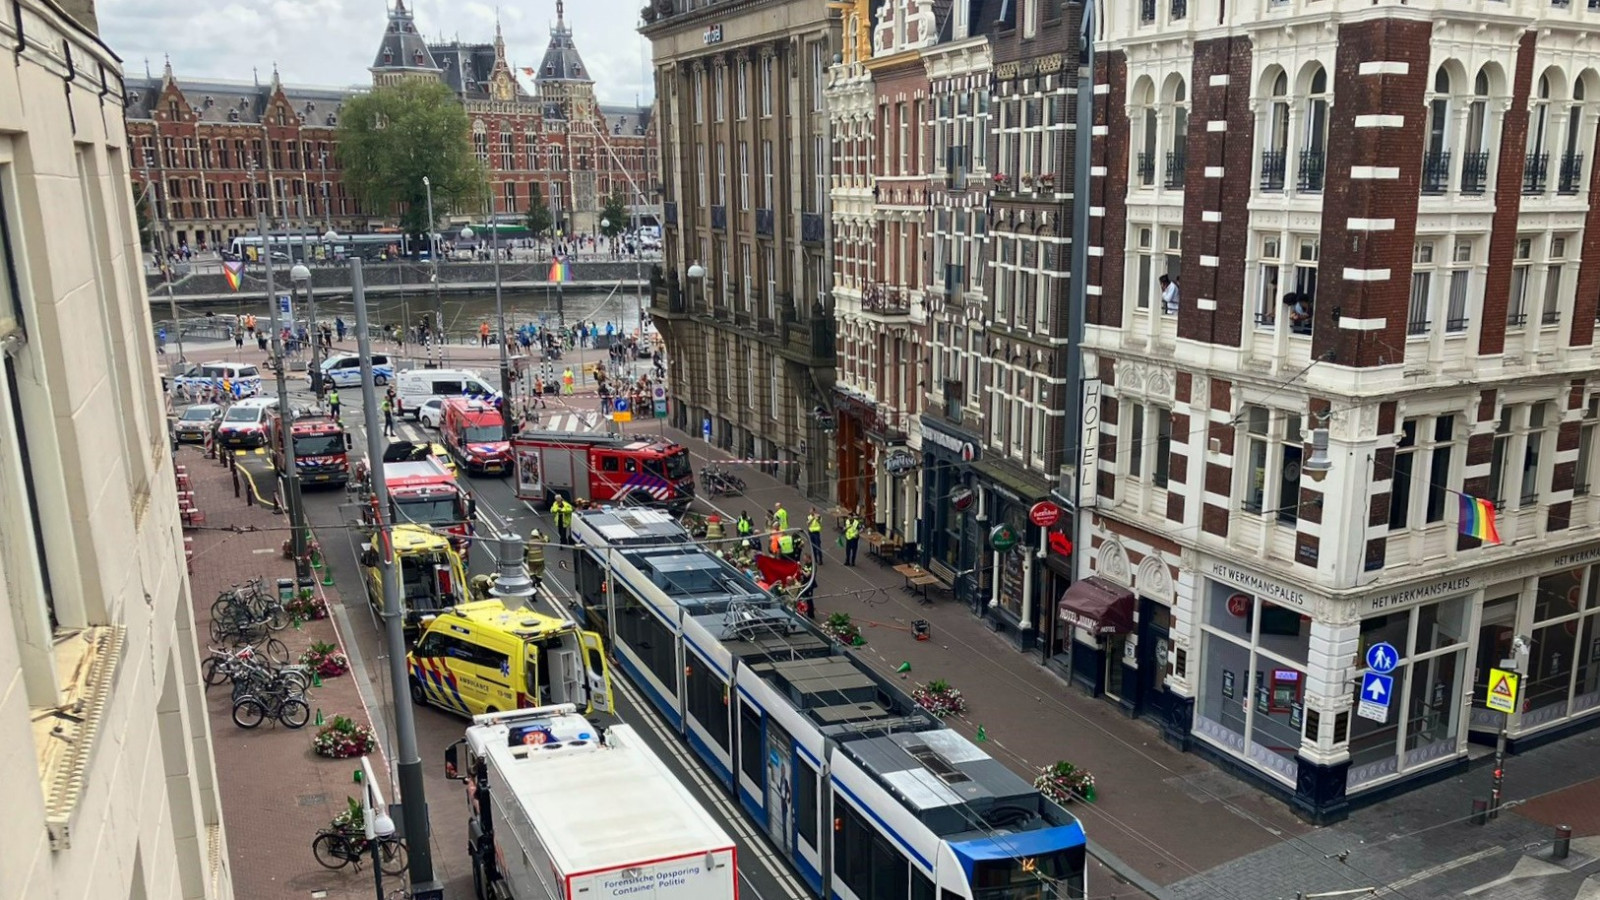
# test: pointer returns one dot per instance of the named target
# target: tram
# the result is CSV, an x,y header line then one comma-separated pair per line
x,y
867,795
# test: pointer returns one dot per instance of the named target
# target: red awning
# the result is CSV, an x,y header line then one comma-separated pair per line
x,y
1098,605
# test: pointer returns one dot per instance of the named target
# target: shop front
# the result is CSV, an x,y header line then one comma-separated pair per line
x,y
949,539
1016,605
856,454
1117,643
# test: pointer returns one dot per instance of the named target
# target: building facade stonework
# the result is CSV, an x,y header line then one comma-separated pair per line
x,y
1377,222
110,784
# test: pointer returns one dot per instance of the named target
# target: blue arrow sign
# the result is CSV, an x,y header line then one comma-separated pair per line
x,y
620,404
1382,658
1376,688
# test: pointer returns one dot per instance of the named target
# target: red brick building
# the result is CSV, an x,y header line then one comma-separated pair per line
x,y
209,150
1382,225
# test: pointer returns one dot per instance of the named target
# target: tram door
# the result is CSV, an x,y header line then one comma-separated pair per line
x,y
780,787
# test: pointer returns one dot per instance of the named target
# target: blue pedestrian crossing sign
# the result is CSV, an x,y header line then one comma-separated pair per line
x,y
1382,657
1373,703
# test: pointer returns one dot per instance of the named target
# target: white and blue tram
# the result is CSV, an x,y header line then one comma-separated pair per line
x,y
868,796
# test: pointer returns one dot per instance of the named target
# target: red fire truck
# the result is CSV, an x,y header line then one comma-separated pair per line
x,y
424,492
321,447
474,434
602,468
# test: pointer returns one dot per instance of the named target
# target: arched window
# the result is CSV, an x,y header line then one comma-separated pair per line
x,y
1180,134
1436,158
1145,97
1572,156
1536,167
1475,161
1313,151
1276,154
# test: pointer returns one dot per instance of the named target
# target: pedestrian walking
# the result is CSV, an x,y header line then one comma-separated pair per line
x,y
238,338
562,510
814,531
339,326
852,538
388,417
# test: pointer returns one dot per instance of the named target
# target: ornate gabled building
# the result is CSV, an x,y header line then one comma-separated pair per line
x,y
207,150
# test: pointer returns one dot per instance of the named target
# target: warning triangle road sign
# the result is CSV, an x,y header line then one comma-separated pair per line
x,y
1501,688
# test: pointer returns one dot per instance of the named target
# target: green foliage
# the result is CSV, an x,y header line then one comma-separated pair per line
x,y
615,214
393,137
141,213
539,217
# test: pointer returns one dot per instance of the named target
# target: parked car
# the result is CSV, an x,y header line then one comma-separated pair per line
x,y
245,423
431,412
197,423
344,369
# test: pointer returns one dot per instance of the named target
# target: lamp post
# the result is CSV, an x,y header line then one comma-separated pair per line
x,y
300,278
433,258
297,518
697,275
500,315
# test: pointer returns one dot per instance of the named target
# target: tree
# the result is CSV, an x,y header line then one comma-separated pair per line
x,y
392,138
615,215
141,214
539,217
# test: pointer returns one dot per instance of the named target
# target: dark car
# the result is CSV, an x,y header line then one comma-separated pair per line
x,y
197,422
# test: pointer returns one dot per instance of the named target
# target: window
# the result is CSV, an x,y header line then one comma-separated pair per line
x,y
1421,475
1550,311
819,164
1177,150
818,67
1519,438
722,175
1475,161
1314,146
768,174
1274,155
741,90
1272,463
752,759
507,154
903,141
647,638
699,98
1536,166
719,93
1268,271
806,804
1584,476
1455,316
1144,262
1517,307
744,175
1418,321
700,182
1436,155
706,699
1030,17
1148,448
768,64
868,864
1307,250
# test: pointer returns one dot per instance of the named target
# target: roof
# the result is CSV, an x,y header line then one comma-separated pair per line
x,y
219,101
496,614
626,120
417,537
415,473
561,61
402,47
599,806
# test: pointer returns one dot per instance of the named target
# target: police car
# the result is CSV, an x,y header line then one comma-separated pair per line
x,y
241,379
344,370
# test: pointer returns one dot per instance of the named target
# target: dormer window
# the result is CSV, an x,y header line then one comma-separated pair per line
x,y
310,108
394,27
417,56
244,104
233,115
208,102
333,119
549,68
388,57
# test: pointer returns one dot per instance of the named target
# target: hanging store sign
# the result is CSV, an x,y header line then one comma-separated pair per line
x,y
899,461
1089,444
1044,514
962,499
964,449
1002,538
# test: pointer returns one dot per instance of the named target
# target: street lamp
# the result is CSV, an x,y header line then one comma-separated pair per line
x,y
697,275
500,315
433,259
297,519
300,278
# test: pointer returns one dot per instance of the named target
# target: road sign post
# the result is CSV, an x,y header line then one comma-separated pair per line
x,y
1377,684
1502,697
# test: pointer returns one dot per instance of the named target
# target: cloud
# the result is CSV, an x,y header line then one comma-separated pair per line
x,y
332,42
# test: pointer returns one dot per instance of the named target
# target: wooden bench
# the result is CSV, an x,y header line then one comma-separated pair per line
x,y
945,589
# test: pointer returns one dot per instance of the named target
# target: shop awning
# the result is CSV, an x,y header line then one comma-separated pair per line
x,y
1098,605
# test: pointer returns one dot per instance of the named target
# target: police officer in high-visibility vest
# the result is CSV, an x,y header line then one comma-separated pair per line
x,y
814,531
852,538
786,547
745,527
388,417
562,510
333,402
780,516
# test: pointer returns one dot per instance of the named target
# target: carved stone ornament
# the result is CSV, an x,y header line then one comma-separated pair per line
x,y
1159,383
1051,63
1005,70
1155,579
1112,562
1199,391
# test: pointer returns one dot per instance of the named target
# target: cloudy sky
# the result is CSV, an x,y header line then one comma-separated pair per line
x,y
332,42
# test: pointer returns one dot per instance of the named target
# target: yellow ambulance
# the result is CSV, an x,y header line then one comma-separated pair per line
x,y
484,657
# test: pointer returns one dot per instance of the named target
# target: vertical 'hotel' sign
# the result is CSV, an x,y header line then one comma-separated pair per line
x,y
1089,448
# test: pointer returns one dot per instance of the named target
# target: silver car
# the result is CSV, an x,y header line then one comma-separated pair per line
x,y
197,422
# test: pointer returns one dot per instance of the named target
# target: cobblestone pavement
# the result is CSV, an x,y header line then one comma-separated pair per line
x,y
276,792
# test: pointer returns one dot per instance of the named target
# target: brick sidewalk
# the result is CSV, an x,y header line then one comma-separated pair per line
x,y
276,792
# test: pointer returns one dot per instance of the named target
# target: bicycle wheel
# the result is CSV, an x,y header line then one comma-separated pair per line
x,y
392,856
294,713
297,680
277,618
328,848
249,712
211,671
275,650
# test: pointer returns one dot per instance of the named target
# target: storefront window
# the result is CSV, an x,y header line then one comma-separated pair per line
x,y
1253,678
1558,616
1013,564
1495,631
1423,719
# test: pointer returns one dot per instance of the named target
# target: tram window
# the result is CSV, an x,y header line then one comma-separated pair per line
x,y
644,634
806,805
852,852
750,748
703,694
889,870
921,885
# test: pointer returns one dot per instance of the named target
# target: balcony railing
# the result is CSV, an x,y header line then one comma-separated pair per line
x,y
813,228
1147,11
1175,162
1436,171
1550,317
1475,171
669,211
1516,319
719,218
1571,173
1146,169
1418,326
1535,172
885,300
1272,168
1312,164
764,222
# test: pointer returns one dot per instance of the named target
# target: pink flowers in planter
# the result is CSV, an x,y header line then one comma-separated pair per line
x,y
344,738
940,699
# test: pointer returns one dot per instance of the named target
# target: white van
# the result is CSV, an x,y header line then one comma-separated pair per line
x,y
344,369
413,387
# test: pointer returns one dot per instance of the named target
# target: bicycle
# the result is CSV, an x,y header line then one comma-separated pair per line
x,y
241,664
336,848
276,702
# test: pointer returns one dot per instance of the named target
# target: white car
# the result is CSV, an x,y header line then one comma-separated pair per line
x,y
344,370
245,423
431,412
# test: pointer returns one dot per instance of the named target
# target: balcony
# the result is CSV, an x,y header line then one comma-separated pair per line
x,y
669,212
810,342
885,300
1474,172
1436,171
1175,161
1146,172
887,426
1571,174
1272,169
764,223
1535,172
719,218
813,228
1312,167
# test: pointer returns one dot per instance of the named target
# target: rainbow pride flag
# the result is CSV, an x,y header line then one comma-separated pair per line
x,y
1477,519
234,272
560,270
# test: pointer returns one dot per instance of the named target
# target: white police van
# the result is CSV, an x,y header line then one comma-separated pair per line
x,y
416,386
344,369
242,379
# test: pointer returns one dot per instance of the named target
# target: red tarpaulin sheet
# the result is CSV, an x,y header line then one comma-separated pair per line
x,y
775,570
